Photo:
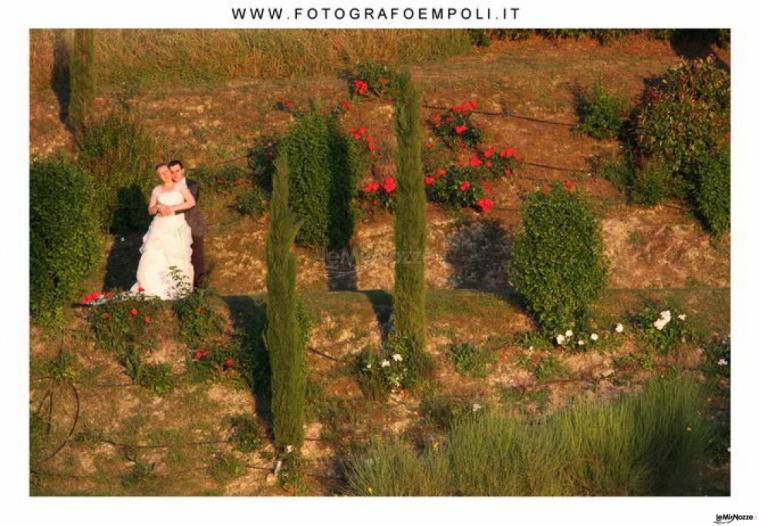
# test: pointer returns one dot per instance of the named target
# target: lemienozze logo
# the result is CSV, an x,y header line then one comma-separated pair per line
x,y
730,517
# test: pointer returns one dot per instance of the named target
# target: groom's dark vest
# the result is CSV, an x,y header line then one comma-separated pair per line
x,y
193,216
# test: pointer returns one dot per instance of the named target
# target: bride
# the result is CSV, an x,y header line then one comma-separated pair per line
x,y
165,269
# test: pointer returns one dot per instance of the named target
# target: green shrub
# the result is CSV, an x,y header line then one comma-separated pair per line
x,y
661,329
379,373
557,265
653,181
124,323
120,153
470,359
543,367
455,127
324,168
198,318
245,436
251,202
381,80
214,362
222,178
64,241
445,411
602,115
711,192
460,187
651,443
684,116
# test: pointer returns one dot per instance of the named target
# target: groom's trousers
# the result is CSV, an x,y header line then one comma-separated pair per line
x,y
197,261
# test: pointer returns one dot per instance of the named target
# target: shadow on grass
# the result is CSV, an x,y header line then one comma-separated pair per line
x,y
59,81
121,265
249,321
382,304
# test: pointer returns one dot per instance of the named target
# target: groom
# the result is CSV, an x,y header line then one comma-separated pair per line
x,y
195,219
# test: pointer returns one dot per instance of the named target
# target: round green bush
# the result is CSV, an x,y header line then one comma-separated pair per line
x,y
557,265
65,243
712,190
684,115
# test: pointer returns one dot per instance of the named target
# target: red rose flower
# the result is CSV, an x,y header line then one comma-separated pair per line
x,y
435,117
106,315
147,319
507,171
460,129
440,172
546,187
488,164
140,289
389,185
360,86
371,187
198,355
428,145
229,362
464,185
570,185
133,312
346,105
489,153
508,152
475,161
485,205
428,179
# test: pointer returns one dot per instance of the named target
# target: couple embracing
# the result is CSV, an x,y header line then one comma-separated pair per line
x,y
172,249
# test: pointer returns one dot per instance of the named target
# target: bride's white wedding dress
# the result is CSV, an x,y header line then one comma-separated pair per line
x,y
167,244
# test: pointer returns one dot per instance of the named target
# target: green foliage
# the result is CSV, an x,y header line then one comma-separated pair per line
x,y
381,79
409,308
125,323
214,361
251,202
543,367
198,318
661,330
379,373
285,335
324,167
684,116
653,182
63,367
82,79
245,436
418,363
602,115
652,443
120,153
711,192
470,359
225,467
460,187
445,411
154,376
455,127
64,242
557,264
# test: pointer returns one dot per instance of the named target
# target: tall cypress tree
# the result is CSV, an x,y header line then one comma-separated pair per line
x,y
410,225
81,79
284,337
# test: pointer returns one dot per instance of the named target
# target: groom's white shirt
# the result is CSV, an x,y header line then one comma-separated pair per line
x,y
182,182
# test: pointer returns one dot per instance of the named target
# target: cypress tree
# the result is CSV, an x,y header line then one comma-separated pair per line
x,y
285,334
81,79
410,225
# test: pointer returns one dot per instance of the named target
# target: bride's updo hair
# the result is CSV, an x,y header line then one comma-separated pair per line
x,y
159,165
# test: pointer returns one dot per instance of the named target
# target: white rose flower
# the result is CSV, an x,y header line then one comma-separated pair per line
x,y
660,323
681,317
476,407
531,348
289,449
385,363
666,315
560,339
397,357
722,361
594,337
619,328
368,366
581,342
568,333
